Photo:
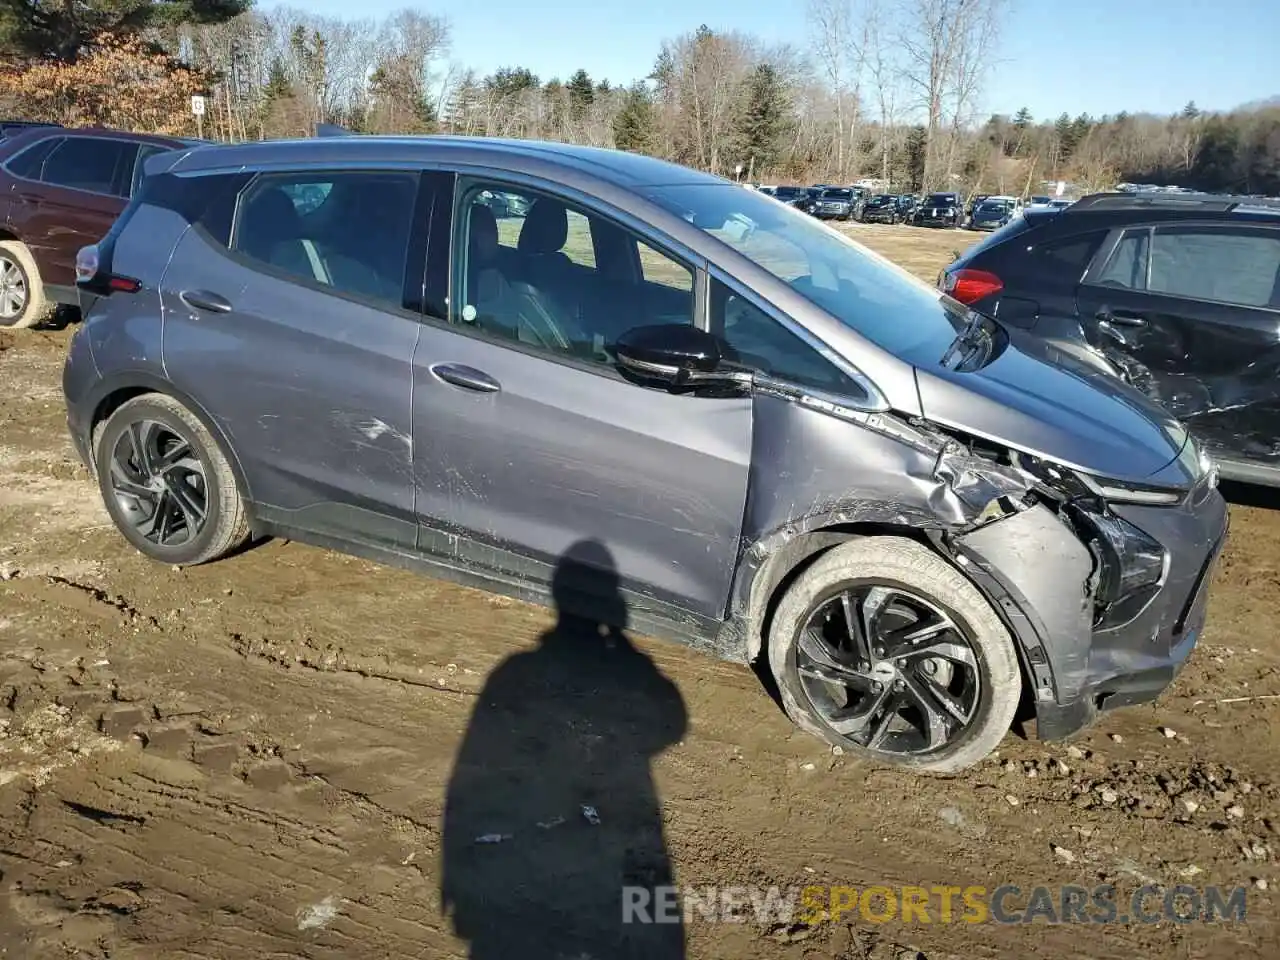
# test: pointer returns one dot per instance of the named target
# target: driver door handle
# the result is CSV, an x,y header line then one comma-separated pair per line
x,y
1121,318
468,378
205,300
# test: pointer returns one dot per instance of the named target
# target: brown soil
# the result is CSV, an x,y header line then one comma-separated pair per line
x,y
253,759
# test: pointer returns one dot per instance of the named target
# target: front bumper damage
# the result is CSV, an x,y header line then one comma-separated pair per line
x,y
1038,571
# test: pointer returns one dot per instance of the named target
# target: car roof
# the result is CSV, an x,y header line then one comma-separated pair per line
x,y
627,170
34,134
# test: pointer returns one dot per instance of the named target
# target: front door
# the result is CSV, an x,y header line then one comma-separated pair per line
x,y
1190,313
293,327
527,440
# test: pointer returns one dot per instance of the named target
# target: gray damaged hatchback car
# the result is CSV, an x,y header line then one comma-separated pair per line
x,y
792,450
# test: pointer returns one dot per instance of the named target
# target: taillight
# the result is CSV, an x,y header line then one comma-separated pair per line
x,y
969,286
87,260
91,276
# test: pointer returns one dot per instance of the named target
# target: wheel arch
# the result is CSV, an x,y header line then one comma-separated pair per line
x,y
792,555
112,393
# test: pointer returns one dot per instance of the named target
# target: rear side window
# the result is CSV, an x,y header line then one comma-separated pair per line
x,y
86,163
30,161
1228,266
1127,265
347,231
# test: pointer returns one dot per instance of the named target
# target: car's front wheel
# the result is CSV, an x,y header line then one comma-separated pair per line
x,y
883,648
167,484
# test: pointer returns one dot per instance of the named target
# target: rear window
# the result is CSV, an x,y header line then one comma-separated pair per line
x,y
1010,230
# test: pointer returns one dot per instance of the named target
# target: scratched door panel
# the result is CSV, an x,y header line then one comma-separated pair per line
x,y
311,388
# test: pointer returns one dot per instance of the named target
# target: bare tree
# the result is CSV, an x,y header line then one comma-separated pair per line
x,y
841,38
945,61
886,74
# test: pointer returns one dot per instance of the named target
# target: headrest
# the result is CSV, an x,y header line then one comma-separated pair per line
x,y
546,227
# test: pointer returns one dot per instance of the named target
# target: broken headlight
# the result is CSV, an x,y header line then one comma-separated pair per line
x,y
1131,567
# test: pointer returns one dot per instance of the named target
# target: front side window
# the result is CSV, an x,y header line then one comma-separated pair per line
x,y
534,269
861,289
343,231
85,163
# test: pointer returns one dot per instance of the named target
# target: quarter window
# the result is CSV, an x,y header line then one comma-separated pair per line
x,y
536,270
347,232
85,163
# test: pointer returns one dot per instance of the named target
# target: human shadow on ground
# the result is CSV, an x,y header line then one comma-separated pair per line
x,y
552,821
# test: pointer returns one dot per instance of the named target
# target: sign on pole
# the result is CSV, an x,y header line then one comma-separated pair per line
x,y
197,105
1061,189
737,170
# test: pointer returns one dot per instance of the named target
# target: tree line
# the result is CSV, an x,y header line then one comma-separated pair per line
x,y
887,89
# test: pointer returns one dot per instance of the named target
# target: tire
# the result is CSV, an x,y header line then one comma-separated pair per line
x,y
18,270
161,421
895,564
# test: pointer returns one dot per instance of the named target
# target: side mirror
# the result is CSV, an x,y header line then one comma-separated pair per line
x,y
674,354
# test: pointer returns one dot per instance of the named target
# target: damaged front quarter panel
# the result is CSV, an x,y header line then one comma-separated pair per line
x,y
890,475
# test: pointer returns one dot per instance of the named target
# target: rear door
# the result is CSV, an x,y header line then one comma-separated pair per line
x,y
79,191
295,329
1190,312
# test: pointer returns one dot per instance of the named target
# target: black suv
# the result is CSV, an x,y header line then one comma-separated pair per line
x,y
1177,294
939,210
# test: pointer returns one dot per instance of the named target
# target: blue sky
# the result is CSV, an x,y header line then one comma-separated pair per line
x,y
1094,56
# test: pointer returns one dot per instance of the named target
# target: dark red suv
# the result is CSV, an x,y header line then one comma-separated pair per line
x,y
61,189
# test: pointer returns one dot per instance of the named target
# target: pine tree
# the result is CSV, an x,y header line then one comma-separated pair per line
x,y
582,93
764,118
634,127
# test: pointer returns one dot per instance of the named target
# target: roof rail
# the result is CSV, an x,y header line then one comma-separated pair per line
x,y
1208,202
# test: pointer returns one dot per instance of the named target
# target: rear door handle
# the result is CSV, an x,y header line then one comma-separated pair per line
x,y
1121,318
205,300
468,378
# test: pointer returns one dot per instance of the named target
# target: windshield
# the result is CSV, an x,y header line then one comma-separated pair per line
x,y
941,199
880,201
861,289
837,194
993,208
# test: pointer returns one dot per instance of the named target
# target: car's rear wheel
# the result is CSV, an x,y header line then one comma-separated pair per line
x,y
883,648
22,299
167,484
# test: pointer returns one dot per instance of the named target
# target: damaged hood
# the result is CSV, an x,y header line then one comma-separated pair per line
x,y
1036,398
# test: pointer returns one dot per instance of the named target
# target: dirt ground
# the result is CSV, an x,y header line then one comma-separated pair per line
x,y
254,758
